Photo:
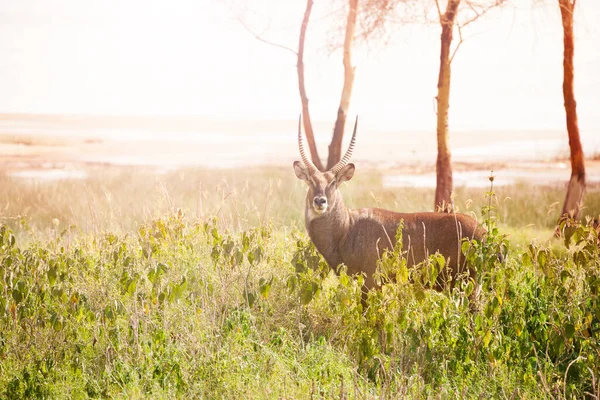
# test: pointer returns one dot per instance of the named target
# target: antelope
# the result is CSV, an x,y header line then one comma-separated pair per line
x,y
358,237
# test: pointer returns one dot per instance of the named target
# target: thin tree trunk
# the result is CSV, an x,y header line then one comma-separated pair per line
x,y
443,190
335,147
308,129
576,186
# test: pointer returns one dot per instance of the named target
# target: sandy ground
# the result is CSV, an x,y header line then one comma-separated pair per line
x,y
61,149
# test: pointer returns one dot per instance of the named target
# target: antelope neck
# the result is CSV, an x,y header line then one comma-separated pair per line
x,y
328,230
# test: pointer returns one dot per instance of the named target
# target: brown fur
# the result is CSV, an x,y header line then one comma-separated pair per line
x,y
358,237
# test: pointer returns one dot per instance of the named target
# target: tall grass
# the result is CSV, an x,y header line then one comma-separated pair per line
x,y
181,308
120,199
203,284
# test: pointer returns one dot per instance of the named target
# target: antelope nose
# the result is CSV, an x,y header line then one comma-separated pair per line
x,y
320,201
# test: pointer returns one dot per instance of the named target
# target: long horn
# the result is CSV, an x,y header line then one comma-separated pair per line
x,y
342,163
309,164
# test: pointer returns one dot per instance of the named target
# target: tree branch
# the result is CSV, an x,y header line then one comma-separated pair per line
x,y
482,12
260,38
478,14
460,41
439,10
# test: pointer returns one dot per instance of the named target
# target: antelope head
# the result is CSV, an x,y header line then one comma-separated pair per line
x,y
322,186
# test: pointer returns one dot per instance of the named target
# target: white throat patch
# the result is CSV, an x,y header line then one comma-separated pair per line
x,y
311,213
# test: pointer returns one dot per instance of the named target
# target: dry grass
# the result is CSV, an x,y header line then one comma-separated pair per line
x,y
121,198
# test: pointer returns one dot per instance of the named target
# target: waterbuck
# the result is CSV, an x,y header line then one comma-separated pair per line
x,y
358,237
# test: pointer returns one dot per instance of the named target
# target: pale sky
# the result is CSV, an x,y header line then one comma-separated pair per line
x,y
191,57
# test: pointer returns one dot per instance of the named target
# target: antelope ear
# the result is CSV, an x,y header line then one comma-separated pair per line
x,y
301,171
345,174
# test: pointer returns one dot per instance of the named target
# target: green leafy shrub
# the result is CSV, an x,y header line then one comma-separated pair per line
x,y
182,308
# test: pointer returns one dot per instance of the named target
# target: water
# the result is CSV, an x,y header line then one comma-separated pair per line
x,y
47,175
167,143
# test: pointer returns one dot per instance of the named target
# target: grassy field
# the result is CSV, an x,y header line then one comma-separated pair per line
x,y
202,283
120,199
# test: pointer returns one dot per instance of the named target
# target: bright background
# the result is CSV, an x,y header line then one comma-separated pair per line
x,y
192,57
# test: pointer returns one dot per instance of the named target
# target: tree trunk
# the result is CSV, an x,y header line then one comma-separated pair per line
x,y
576,186
335,147
443,190
308,130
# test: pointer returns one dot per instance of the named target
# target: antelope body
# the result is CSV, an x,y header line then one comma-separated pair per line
x,y
359,237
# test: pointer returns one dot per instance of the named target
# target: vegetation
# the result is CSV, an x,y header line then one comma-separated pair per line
x,y
108,290
120,199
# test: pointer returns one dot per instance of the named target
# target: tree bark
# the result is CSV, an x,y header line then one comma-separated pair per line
x,y
443,190
308,129
335,147
576,186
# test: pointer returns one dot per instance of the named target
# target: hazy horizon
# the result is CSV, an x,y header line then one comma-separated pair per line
x,y
169,141
195,59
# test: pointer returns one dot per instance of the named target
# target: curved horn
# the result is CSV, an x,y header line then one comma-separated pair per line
x,y
309,164
342,163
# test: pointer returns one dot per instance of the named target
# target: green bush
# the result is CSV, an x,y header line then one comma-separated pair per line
x,y
182,308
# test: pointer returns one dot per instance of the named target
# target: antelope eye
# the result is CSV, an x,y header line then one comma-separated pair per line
x,y
332,184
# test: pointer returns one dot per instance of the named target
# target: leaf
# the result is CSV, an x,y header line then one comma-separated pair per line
x,y
180,288
526,259
258,254
108,313
152,276
569,330
344,280
469,289
58,293
299,264
306,295
434,268
558,343
292,281
162,296
215,254
265,286
402,274
255,256
238,256
17,295
487,338
360,280
245,242
580,258
131,286
56,321
250,298
228,246
518,328
419,293
441,261
215,234
308,292
465,246
542,258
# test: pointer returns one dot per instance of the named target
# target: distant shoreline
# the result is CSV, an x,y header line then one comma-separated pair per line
x,y
71,143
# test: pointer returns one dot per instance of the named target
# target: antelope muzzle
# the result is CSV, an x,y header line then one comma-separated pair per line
x,y
320,204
